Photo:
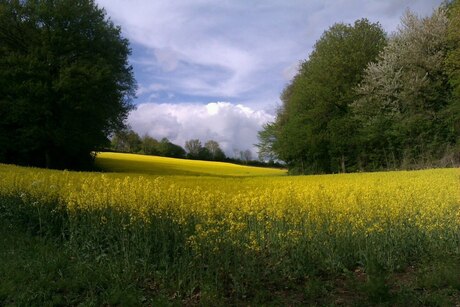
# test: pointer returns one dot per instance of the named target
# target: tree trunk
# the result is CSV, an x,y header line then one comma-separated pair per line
x,y
342,164
47,159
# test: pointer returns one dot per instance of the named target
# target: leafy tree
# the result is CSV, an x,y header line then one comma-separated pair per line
x,y
314,129
204,154
214,150
267,139
453,68
168,149
150,145
65,82
127,141
404,96
246,156
193,148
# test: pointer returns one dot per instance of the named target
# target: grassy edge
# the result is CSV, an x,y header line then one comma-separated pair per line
x,y
39,270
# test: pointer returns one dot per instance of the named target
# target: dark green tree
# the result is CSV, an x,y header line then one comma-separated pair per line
x,y
204,154
214,151
168,149
127,140
149,145
453,70
65,81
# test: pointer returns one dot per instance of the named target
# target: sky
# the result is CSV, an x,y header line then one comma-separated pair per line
x,y
210,69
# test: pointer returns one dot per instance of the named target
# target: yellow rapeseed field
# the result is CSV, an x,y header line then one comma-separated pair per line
x,y
332,221
164,166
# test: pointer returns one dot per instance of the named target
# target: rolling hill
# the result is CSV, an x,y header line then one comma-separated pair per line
x,y
162,166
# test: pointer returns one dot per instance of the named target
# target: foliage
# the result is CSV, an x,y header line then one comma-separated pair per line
x,y
361,102
168,149
267,137
45,273
453,67
314,131
214,150
127,141
65,82
211,150
404,97
232,238
149,145
193,148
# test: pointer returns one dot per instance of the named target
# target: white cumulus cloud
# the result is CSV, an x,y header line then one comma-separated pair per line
x,y
234,126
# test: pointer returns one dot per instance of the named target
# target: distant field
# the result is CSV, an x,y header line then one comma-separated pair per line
x,y
162,166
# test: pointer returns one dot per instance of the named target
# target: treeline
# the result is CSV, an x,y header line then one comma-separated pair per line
x,y
129,141
65,82
366,101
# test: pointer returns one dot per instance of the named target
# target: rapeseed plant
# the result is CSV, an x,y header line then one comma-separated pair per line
x,y
241,226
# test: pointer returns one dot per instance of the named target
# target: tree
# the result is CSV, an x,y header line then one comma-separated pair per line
x,y
453,68
65,82
214,150
168,149
127,140
246,156
204,154
267,139
314,129
149,145
193,148
404,96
